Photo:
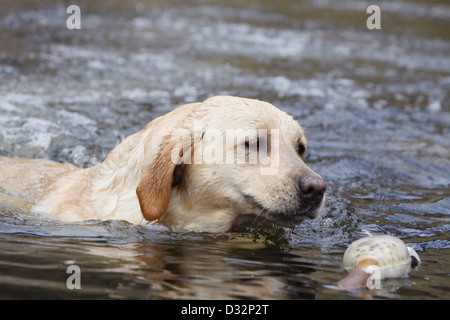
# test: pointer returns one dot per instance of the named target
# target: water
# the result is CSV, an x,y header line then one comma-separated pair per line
x,y
375,106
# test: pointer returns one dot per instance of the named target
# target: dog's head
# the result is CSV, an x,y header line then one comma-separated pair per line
x,y
229,157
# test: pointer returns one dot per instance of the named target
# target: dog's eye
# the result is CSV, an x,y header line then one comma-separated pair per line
x,y
254,145
301,150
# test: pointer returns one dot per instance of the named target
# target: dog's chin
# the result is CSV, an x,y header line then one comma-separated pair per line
x,y
295,216
290,219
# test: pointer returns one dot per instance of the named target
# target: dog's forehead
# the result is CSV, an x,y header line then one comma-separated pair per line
x,y
254,114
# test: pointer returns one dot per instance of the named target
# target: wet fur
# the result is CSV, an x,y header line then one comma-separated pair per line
x,y
136,181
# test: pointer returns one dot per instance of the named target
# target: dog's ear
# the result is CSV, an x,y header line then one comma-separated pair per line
x,y
157,180
155,186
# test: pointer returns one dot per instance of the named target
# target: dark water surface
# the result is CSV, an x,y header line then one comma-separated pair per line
x,y
375,105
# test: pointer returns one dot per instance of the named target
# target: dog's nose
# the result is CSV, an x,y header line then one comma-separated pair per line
x,y
312,188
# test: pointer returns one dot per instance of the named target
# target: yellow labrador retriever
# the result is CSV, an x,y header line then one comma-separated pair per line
x,y
197,168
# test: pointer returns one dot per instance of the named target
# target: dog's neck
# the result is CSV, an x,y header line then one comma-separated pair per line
x,y
114,181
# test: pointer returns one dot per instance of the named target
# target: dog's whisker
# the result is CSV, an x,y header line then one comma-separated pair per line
x,y
260,218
